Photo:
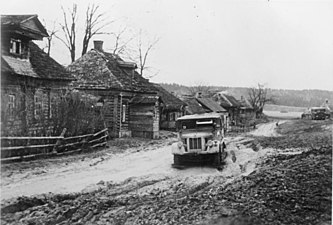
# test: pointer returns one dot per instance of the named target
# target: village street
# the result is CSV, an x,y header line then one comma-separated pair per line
x,y
89,173
277,172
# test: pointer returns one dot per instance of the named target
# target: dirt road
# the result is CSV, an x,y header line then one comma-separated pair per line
x,y
273,176
87,175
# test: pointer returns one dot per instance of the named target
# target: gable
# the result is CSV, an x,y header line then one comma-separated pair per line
x,y
26,25
34,25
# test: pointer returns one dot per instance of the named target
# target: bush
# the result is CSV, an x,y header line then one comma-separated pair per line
x,y
78,113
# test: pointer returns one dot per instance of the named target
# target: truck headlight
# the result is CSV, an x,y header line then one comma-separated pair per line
x,y
210,143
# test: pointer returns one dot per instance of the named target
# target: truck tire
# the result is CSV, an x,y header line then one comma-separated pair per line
x,y
176,159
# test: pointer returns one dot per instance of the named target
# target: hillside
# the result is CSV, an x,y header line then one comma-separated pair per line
x,y
298,98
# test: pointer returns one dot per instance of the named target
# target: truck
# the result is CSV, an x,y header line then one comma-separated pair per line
x,y
200,140
319,113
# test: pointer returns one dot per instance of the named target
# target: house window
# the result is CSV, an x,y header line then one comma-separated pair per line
x,y
123,119
172,116
11,107
49,105
15,46
38,104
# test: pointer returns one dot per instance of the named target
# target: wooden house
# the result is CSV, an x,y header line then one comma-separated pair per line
x,y
231,104
209,105
247,114
171,108
193,107
30,79
129,102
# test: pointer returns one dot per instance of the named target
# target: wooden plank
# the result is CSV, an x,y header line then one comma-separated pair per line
x,y
143,123
77,137
142,114
99,132
100,144
16,158
143,128
30,138
98,139
70,144
25,147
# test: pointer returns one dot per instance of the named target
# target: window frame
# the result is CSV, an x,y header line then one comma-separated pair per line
x,y
15,46
123,115
38,107
11,106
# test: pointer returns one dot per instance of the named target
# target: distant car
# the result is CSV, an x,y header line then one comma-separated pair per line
x,y
319,113
201,140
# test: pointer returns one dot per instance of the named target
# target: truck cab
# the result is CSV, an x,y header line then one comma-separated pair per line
x,y
200,140
319,113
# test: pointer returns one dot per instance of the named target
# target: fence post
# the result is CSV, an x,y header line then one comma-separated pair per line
x,y
59,140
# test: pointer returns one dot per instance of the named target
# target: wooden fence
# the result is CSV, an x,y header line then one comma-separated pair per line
x,y
240,129
26,147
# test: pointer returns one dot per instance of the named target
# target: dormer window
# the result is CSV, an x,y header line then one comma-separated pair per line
x,y
15,46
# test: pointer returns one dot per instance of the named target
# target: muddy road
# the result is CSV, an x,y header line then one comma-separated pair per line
x,y
137,185
88,174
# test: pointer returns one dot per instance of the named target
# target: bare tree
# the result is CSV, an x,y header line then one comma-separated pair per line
x,y
52,34
257,97
69,30
94,23
120,43
143,53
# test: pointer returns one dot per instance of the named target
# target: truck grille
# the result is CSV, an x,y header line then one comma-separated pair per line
x,y
194,143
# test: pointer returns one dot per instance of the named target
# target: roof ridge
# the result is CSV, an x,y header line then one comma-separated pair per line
x,y
32,16
107,60
225,98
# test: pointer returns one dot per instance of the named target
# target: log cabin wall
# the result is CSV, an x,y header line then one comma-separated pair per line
x,y
144,120
27,111
29,78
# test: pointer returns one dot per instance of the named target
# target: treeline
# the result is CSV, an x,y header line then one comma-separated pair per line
x,y
299,98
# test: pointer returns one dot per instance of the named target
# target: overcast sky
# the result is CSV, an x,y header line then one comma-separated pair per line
x,y
285,44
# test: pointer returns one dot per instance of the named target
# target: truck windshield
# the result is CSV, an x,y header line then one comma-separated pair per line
x,y
318,110
198,124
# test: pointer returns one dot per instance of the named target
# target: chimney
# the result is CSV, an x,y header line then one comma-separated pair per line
x,y
98,45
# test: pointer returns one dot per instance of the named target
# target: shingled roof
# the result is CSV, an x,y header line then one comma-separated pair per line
x,y
211,104
102,70
193,106
39,65
171,102
228,101
27,25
